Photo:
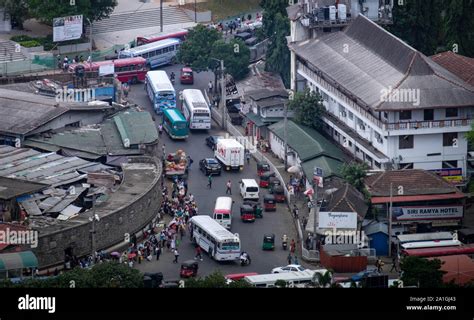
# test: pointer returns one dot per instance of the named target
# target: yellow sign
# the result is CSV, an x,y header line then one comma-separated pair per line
x,y
453,179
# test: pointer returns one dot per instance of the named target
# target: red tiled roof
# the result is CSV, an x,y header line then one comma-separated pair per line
x,y
414,182
459,65
459,268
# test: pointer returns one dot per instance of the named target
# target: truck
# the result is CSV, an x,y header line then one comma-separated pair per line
x,y
230,153
176,164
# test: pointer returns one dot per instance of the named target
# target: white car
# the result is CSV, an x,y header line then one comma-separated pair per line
x,y
288,268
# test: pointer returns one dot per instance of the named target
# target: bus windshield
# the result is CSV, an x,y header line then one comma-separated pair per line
x,y
201,115
229,246
168,95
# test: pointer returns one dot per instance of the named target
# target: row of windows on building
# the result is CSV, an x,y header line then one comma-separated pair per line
x,y
450,139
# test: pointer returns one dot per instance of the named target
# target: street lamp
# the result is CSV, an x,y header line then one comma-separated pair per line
x,y
90,44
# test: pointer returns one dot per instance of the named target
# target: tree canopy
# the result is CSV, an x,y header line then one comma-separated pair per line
x,y
236,56
308,108
215,280
355,173
421,272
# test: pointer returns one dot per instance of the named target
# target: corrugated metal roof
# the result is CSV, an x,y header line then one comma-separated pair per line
x,y
12,188
330,166
307,142
376,60
138,127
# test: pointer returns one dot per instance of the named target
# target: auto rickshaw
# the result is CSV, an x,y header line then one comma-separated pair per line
x,y
279,194
265,179
247,213
257,209
189,269
269,202
268,242
274,181
262,167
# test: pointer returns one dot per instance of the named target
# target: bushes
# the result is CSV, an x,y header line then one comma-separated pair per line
x,y
30,43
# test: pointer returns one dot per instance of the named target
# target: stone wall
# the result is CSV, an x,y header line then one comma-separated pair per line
x,y
131,217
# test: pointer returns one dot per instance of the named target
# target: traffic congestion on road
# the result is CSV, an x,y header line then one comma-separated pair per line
x,y
205,189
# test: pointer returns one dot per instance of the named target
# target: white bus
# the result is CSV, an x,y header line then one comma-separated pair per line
x,y
293,279
213,238
431,244
156,53
160,91
196,110
223,211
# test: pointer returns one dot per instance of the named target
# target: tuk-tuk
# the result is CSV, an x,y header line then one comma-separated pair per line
x,y
274,181
265,179
189,269
279,194
269,202
262,167
268,242
247,213
257,209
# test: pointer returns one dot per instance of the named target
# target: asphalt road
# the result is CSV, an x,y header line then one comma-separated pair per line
x,y
251,234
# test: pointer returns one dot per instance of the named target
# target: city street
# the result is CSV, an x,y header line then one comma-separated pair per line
x,y
251,234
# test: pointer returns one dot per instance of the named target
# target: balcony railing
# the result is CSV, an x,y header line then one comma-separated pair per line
x,y
429,124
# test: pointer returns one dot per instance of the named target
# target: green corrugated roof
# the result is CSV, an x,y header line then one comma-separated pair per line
x,y
307,142
138,127
330,166
18,260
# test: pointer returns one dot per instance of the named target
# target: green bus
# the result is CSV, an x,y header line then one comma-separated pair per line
x,y
175,124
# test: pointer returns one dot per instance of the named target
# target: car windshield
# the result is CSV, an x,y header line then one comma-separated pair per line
x,y
212,161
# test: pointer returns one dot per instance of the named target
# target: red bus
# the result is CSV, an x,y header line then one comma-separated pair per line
x,y
130,69
179,34
440,251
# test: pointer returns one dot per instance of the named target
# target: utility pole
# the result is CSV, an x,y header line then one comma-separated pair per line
x,y
93,220
223,97
390,224
285,112
195,12
90,45
161,15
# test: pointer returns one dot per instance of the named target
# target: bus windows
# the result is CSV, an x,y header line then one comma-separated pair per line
x,y
159,52
165,50
152,54
145,55
171,48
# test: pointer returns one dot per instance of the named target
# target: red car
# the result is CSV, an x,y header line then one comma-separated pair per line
x,y
187,76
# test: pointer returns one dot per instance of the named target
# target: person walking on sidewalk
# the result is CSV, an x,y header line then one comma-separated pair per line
x,y
292,246
176,256
394,264
229,186
289,258
247,155
295,211
158,252
209,181
210,86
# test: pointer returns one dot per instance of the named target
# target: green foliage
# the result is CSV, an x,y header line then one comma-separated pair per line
x,y
423,272
18,10
322,280
214,280
21,38
308,108
30,43
46,10
433,26
276,27
281,284
104,275
355,173
236,56
470,135
196,50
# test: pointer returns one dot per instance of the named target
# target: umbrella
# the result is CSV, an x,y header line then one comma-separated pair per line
x,y
132,255
115,254
293,169
309,191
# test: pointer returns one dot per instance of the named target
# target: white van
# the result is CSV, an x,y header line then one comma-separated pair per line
x,y
223,211
249,189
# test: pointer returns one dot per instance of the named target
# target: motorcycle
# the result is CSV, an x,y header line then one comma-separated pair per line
x,y
172,78
285,245
244,260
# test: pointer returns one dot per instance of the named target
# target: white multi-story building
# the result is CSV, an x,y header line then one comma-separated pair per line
x,y
386,103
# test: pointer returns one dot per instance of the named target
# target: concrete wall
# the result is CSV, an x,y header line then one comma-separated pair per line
x,y
110,230
204,16
74,48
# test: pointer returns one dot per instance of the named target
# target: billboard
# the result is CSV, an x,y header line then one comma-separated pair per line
x,y
427,213
453,175
67,28
343,220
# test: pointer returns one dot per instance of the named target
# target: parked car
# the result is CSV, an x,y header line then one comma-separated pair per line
x,y
288,268
187,76
211,141
210,166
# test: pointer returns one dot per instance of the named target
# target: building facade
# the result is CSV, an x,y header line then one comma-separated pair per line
x,y
386,103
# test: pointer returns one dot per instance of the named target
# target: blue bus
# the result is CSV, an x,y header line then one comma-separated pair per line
x,y
156,53
175,124
160,90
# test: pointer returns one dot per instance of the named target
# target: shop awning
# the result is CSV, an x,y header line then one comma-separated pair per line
x,y
18,260
427,197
